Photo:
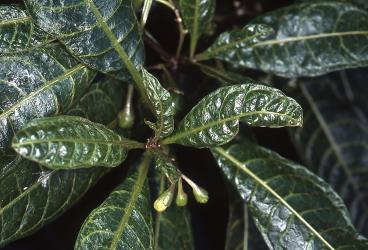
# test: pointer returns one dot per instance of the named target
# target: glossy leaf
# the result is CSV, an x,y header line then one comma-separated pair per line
x,y
123,220
18,32
215,119
231,45
241,233
92,30
197,15
42,82
32,196
360,3
107,92
68,142
166,166
310,39
164,106
333,142
293,208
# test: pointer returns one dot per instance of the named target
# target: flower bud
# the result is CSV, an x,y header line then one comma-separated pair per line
x,y
181,197
164,200
200,194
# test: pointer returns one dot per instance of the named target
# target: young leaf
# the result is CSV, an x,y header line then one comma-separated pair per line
x,y
67,142
311,39
215,119
197,15
334,141
241,233
18,32
231,45
123,220
293,208
42,82
32,196
163,104
92,30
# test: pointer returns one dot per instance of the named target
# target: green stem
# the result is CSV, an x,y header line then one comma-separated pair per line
x,y
124,57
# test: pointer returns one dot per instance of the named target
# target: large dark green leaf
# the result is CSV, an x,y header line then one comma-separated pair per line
x,y
38,83
333,142
68,142
163,104
197,15
18,32
215,119
92,30
310,39
123,220
231,45
360,3
173,229
107,92
293,208
241,233
31,196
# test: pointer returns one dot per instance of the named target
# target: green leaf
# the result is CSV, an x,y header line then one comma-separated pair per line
x,y
241,233
173,229
225,77
123,220
32,196
18,32
166,166
361,3
333,142
293,208
93,30
110,93
215,119
163,104
67,142
197,15
310,39
42,82
232,45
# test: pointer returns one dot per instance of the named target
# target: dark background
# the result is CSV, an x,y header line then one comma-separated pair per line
x,y
209,221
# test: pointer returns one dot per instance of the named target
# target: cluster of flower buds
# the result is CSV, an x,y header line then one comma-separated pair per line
x,y
165,198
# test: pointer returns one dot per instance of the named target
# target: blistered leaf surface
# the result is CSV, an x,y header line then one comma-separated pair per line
x,y
215,119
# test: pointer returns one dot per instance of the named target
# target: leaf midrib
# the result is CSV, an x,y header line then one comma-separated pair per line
x,y
124,142
46,86
247,171
223,48
179,135
309,37
137,188
15,20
